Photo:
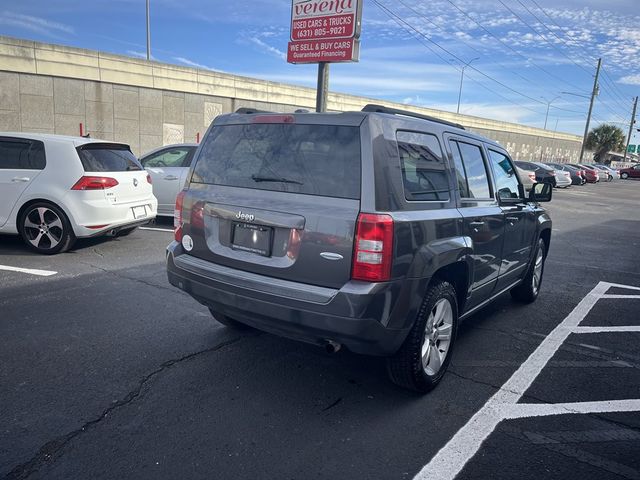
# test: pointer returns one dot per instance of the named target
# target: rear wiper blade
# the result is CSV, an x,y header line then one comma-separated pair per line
x,y
257,178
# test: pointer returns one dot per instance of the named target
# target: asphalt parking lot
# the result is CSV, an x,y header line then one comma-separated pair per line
x,y
109,372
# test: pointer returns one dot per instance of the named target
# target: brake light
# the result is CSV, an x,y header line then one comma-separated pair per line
x,y
149,179
273,119
177,217
373,248
94,183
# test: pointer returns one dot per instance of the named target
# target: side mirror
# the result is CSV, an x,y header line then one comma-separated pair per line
x,y
540,192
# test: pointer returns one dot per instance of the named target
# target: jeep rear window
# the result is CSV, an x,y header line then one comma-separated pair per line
x,y
310,159
101,157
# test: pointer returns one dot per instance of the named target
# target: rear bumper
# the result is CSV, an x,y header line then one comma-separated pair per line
x,y
114,217
367,318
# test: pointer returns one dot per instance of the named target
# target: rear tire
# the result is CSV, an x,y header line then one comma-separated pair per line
x,y
424,356
228,321
529,289
45,229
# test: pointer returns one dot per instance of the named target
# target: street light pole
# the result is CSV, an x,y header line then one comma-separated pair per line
x,y
148,34
547,115
461,79
594,92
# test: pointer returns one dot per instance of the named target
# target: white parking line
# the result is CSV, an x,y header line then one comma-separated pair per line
x,y
31,271
452,458
527,410
632,328
157,229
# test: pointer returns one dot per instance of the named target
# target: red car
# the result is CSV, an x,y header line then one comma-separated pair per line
x,y
631,172
589,174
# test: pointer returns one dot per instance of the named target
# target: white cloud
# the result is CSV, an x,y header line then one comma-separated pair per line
x,y
630,79
191,63
138,54
35,24
265,47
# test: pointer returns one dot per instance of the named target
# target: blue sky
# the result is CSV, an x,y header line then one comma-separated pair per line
x,y
528,51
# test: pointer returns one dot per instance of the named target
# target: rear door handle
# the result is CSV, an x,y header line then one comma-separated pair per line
x,y
20,179
513,219
171,177
476,224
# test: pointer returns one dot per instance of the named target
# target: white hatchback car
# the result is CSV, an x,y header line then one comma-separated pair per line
x,y
54,189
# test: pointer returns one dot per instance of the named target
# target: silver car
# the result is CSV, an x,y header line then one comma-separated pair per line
x,y
168,167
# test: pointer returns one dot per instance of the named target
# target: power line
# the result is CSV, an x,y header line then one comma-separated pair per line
x,y
502,42
471,66
407,26
540,34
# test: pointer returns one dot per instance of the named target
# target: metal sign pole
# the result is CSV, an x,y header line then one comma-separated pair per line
x,y
323,87
633,120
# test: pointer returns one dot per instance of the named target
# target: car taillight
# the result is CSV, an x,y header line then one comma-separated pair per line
x,y
177,216
149,179
94,183
373,248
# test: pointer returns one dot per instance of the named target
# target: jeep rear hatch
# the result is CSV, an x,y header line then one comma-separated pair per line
x,y
277,198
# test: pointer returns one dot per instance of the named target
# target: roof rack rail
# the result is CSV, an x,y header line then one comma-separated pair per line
x,y
372,107
249,111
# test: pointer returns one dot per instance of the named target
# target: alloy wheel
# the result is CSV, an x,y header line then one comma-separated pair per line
x,y
437,336
43,228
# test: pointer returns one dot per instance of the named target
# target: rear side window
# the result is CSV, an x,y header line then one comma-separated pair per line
x,y
310,159
102,157
423,169
471,170
19,154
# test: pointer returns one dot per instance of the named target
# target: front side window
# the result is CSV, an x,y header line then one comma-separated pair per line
x,y
475,169
174,157
505,176
18,154
423,169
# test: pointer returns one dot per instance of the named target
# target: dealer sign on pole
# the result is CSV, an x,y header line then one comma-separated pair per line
x,y
325,31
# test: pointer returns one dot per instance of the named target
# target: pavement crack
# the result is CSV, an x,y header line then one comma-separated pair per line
x,y
332,405
138,280
49,452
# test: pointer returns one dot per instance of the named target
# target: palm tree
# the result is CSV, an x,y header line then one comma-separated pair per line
x,y
603,139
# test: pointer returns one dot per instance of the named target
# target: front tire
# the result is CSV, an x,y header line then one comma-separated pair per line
x,y
424,356
529,289
45,228
624,175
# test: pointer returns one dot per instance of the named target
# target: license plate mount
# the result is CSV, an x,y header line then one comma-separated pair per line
x,y
139,212
251,238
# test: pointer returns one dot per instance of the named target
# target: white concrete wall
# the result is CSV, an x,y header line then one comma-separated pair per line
x,y
52,88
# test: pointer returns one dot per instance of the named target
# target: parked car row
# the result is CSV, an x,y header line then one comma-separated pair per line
x,y
565,174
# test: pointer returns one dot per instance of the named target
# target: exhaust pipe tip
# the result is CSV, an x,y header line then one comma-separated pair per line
x,y
332,347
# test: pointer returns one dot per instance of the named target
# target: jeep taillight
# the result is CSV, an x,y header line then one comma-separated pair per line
x,y
373,252
177,216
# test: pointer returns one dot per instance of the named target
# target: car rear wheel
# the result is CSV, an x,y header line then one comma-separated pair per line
x,y
425,355
624,175
45,228
228,321
528,290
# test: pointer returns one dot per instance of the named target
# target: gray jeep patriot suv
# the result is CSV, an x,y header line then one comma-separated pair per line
x,y
378,230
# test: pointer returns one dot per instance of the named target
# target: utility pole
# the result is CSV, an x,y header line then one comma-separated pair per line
x,y
594,92
633,121
148,34
323,87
